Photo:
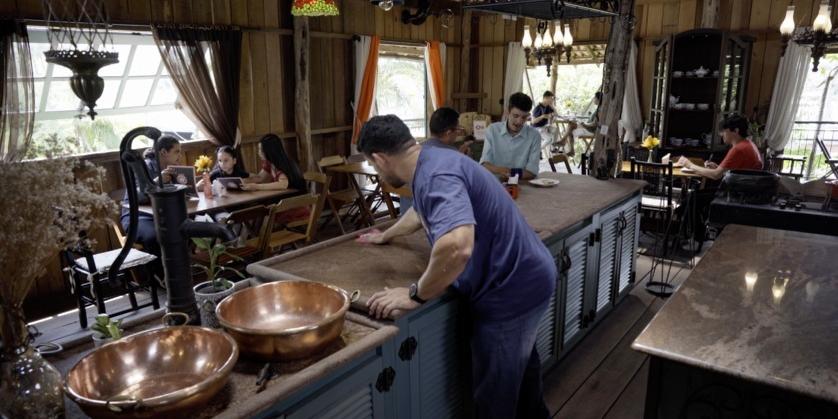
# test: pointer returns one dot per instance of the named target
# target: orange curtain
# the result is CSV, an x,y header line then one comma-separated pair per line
x,y
436,83
363,104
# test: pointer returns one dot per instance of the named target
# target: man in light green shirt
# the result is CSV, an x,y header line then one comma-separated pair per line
x,y
512,144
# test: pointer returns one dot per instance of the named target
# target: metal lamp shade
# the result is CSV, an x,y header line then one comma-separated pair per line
x,y
85,65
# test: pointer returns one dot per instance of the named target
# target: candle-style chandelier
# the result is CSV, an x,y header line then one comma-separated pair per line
x,y
820,35
546,47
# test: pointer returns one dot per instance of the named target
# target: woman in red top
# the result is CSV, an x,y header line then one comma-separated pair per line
x,y
278,172
743,153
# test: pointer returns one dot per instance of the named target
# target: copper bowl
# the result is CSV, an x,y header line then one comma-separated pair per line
x,y
284,320
161,372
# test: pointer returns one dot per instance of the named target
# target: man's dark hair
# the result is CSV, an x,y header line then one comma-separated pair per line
x,y
738,123
521,101
548,94
165,142
443,119
384,134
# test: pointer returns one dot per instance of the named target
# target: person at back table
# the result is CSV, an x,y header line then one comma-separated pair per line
x,y
542,117
445,129
278,173
743,153
226,166
512,144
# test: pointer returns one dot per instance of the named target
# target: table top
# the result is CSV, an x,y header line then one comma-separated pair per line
x,y
362,168
760,305
202,205
676,171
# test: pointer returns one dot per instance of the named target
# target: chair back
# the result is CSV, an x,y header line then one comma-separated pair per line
x,y
319,182
830,161
331,161
249,223
559,158
117,231
791,166
658,178
310,201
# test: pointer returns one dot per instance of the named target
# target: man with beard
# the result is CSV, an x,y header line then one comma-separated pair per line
x,y
511,143
481,246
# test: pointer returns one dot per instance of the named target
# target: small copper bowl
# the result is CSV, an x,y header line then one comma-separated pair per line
x,y
159,373
284,320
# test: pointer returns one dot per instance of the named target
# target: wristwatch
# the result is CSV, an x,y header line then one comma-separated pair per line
x,y
414,293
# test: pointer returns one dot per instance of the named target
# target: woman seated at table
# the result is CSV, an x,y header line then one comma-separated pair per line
x,y
278,173
226,166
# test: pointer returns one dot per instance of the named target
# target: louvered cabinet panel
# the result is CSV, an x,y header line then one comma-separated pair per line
x,y
353,396
545,339
607,263
628,249
574,287
438,373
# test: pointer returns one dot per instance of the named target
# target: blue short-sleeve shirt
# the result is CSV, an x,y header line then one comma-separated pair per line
x,y
510,270
519,151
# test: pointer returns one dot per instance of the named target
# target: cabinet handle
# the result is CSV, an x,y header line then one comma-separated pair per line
x,y
385,380
592,239
408,349
566,260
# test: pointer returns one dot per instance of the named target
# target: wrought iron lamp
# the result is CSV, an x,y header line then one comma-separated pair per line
x,y
547,47
79,39
819,36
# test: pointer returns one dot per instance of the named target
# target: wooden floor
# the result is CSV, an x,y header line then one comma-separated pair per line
x,y
603,377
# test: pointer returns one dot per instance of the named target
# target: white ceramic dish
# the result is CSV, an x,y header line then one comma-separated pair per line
x,y
544,182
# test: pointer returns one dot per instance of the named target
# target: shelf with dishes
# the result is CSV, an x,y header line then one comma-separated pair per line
x,y
698,73
688,143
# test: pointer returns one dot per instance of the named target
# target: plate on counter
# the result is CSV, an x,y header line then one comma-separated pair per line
x,y
544,182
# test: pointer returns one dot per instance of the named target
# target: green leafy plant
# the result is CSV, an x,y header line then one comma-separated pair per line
x,y
213,269
107,328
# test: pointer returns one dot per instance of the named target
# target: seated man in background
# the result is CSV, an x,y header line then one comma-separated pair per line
x,y
511,143
445,129
542,118
587,128
743,153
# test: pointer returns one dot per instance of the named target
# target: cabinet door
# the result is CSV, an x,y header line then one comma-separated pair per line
x,y
628,248
353,396
574,276
607,266
438,367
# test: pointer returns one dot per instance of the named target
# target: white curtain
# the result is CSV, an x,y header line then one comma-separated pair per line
x,y
431,84
513,81
788,86
631,121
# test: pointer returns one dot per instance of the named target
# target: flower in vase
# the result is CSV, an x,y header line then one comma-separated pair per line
x,y
651,142
203,164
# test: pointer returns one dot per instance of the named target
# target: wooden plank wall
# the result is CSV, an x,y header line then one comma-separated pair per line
x,y
267,78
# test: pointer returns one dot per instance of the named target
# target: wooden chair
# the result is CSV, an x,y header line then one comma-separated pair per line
x,y
337,200
790,166
387,191
89,271
559,158
275,240
831,162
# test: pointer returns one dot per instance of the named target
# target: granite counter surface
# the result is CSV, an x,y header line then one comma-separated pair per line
x,y
761,305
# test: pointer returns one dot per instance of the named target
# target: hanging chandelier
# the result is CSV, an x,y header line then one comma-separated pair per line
x,y
80,40
314,8
819,36
546,47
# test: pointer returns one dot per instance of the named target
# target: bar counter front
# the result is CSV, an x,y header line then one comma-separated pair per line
x,y
417,365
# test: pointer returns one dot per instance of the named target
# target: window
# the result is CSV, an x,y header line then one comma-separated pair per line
x,y
576,85
401,87
817,117
138,92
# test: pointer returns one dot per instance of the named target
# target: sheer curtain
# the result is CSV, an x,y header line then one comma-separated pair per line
x,y
631,120
212,97
435,63
788,86
513,80
17,91
366,67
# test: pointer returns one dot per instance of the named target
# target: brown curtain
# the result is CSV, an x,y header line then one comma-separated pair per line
x,y
211,94
17,90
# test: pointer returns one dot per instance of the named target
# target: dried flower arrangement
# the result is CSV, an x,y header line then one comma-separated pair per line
x,y
47,204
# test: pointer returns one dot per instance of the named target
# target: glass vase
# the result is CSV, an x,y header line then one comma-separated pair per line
x,y
30,387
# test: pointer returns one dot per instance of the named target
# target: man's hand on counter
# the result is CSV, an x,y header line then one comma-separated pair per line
x,y
384,304
374,236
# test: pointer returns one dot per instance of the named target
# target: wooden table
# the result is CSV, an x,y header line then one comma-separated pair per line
x,y
233,199
676,171
364,169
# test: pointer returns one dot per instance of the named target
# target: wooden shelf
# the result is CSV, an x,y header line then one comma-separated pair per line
x,y
695,78
690,110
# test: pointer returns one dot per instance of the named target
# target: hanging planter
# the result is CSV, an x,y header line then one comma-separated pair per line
x,y
314,8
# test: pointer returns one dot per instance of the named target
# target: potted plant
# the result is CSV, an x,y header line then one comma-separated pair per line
x,y
105,330
209,293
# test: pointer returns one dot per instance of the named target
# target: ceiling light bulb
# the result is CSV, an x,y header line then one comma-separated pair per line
x,y
538,41
568,38
547,39
823,21
787,27
526,40
386,5
558,39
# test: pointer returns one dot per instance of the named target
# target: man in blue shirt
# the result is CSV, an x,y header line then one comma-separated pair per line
x,y
512,144
482,247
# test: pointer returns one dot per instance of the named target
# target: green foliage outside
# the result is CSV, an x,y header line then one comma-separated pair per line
x,y
61,138
575,87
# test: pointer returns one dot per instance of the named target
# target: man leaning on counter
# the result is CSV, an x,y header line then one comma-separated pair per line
x,y
481,246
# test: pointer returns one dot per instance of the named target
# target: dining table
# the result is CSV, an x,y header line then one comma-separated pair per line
x,y
677,171
351,169
232,199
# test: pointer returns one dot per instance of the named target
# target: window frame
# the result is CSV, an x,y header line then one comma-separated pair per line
x,y
400,50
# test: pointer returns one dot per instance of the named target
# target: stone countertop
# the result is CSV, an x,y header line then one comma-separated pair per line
x,y
239,398
369,268
761,305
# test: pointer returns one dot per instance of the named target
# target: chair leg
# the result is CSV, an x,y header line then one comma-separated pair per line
x,y
336,214
567,165
100,299
80,301
152,282
131,296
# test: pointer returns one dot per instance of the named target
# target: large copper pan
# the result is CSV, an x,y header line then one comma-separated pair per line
x,y
284,320
158,373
